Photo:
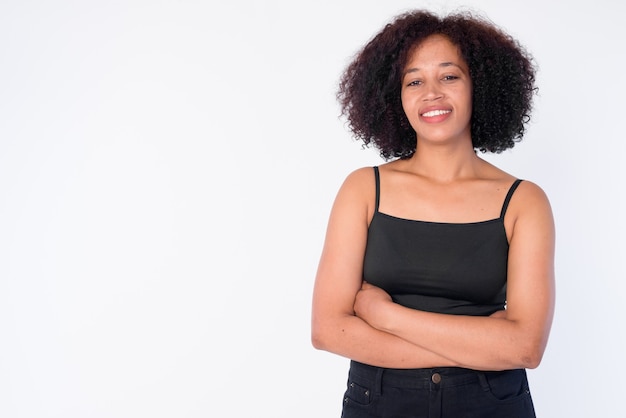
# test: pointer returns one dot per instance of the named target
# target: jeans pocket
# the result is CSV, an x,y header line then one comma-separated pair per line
x,y
507,386
357,393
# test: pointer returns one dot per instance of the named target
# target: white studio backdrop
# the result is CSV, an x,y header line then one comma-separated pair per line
x,y
166,173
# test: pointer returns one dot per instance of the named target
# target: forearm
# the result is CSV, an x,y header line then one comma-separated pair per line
x,y
351,337
483,343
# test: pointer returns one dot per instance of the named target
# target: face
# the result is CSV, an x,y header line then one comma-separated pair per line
x,y
437,92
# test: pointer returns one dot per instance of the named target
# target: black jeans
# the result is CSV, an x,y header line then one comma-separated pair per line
x,y
446,392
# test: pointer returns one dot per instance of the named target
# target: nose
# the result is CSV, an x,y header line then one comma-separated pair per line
x,y
432,92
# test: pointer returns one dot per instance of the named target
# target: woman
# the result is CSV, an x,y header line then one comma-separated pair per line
x,y
436,278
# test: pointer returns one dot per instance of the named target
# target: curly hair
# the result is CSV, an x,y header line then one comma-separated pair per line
x,y
502,74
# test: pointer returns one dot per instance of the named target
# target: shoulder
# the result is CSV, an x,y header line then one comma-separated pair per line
x,y
528,194
358,192
360,181
530,208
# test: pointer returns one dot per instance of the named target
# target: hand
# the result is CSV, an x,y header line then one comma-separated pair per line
x,y
370,302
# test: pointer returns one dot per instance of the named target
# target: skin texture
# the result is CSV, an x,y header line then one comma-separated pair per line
x,y
443,181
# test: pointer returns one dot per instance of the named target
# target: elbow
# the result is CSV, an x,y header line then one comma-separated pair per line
x,y
530,357
325,333
328,332
318,337
525,348
532,360
316,340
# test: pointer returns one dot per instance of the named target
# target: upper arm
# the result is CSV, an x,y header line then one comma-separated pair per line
x,y
339,273
530,281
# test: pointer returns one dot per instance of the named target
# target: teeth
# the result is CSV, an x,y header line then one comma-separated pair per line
x,y
435,113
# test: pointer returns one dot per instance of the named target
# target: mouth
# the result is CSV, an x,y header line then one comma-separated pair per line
x,y
433,113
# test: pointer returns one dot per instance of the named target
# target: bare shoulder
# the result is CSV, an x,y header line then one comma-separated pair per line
x,y
358,191
359,183
360,177
528,195
527,192
530,208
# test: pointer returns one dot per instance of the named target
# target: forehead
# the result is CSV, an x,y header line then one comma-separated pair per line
x,y
435,49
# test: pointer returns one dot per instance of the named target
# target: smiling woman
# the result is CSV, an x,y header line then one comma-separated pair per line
x,y
436,277
437,88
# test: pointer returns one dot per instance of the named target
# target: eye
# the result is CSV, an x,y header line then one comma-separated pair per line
x,y
450,78
414,83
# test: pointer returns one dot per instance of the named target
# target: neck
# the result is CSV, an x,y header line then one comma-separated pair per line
x,y
444,163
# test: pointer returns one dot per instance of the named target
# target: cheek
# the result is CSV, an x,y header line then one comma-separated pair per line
x,y
403,101
470,107
408,113
407,105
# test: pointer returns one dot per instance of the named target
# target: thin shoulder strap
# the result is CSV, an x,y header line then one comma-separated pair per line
x,y
508,197
377,175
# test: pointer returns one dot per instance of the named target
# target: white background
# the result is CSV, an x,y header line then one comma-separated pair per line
x,y
166,173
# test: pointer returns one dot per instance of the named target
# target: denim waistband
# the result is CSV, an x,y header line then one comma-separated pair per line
x,y
420,378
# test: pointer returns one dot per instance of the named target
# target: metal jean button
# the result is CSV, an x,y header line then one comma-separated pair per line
x,y
436,378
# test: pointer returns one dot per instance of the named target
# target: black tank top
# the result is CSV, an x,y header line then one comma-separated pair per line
x,y
452,268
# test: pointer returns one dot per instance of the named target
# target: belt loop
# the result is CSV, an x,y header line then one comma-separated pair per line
x,y
483,381
379,382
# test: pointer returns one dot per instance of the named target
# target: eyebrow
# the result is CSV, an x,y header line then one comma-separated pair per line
x,y
443,64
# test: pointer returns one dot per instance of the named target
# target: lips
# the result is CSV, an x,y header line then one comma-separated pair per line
x,y
433,113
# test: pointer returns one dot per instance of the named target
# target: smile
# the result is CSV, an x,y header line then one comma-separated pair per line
x,y
433,113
